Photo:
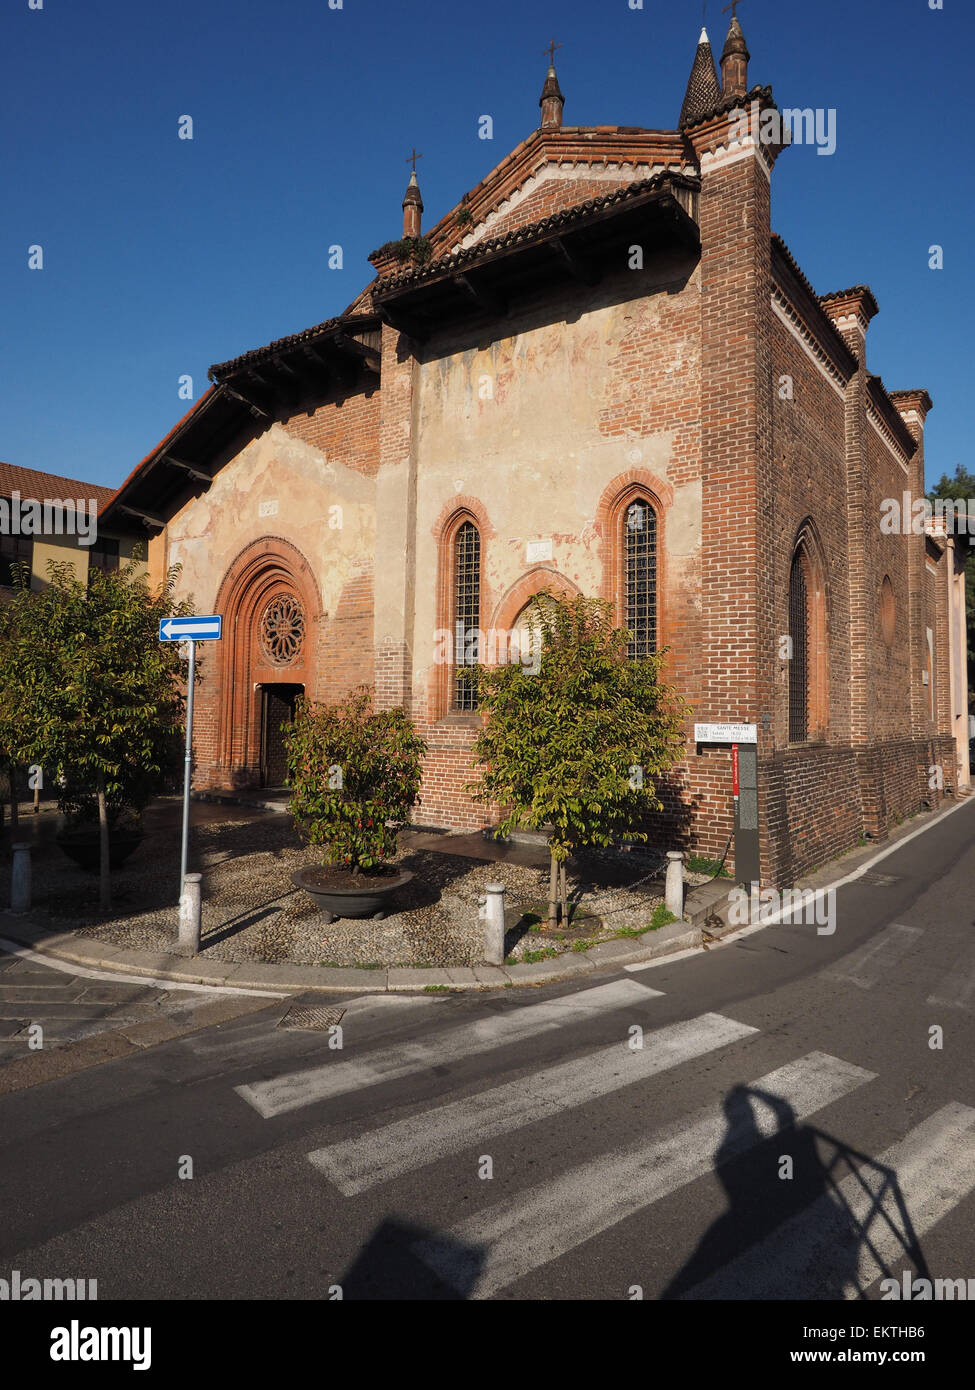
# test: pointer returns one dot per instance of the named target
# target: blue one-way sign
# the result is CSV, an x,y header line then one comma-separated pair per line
x,y
182,629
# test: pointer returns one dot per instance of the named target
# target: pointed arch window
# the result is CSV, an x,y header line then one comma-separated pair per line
x,y
808,673
799,664
639,549
467,613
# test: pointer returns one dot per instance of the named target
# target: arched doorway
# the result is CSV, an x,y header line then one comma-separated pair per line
x,y
271,611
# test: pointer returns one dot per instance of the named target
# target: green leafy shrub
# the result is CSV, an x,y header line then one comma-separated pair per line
x,y
562,736
354,774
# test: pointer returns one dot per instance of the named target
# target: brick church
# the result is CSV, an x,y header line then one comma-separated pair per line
x,y
599,372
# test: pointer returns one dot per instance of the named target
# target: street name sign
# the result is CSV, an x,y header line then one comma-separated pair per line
x,y
209,629
725,733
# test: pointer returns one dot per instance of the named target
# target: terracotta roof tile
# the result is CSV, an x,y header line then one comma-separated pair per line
x,y
521,236
703,87
32,483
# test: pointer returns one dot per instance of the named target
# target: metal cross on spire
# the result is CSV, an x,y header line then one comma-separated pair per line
x,y
732,7
412,157
551,52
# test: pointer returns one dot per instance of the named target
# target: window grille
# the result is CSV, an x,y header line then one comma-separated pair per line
x,y
467,612
283,630
640,535
799,665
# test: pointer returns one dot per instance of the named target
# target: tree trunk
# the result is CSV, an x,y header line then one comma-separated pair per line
x,y
104,873
553,893
563,895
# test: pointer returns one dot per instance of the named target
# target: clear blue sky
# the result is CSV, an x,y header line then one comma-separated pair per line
x,y
164,255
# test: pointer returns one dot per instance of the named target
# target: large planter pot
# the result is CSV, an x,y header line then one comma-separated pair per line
x,y
85,849
371,899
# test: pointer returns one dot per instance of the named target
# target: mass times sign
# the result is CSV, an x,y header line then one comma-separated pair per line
x,y
725,733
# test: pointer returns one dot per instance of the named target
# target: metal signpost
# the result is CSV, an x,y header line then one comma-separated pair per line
x,y
744,789
191,630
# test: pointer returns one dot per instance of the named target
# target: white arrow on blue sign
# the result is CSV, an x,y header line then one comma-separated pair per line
x,y
208,629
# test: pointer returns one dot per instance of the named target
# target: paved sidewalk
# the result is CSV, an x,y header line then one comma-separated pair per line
x,y
85,951
54,1022
705,922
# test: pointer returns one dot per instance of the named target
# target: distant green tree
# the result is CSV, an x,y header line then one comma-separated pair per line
x,y
963,485
89,693
578,743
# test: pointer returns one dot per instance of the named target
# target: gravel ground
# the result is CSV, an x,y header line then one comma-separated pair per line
x,y
252,912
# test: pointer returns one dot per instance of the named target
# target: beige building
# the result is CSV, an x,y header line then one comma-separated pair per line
x,y
45,517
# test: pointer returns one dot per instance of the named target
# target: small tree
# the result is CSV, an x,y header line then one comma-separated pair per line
x,y
354,774
579,743
88,692
962,485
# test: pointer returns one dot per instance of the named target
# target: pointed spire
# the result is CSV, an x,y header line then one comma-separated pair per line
x,y
551,101
734,61
703,90
412,202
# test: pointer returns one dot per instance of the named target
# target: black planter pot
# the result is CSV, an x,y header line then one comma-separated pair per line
x,y
371,900
85,849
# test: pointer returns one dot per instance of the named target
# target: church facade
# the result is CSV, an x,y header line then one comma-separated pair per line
x,y
601,372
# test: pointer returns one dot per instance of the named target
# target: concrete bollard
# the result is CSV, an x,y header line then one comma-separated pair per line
x,y
674,887
189,916
491,912
20,885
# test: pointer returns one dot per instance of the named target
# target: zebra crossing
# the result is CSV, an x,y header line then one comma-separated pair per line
x,y
866,1213
957,989
421,1139
865,966
314,1084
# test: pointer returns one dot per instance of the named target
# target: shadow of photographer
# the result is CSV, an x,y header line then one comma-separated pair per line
x,y
807,1216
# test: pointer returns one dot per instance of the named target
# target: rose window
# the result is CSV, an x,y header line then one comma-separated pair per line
x,y
283,630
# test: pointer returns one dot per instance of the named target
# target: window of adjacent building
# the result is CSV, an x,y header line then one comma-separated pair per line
x,y
640,577
103,555
467,613
12,550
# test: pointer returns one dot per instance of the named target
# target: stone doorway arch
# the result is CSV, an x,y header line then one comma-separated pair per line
x,y
268,658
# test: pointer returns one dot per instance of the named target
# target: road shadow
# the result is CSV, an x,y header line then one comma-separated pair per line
x,y
388,1268
819,1234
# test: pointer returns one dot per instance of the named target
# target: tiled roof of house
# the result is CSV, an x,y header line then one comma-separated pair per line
x,y
38,486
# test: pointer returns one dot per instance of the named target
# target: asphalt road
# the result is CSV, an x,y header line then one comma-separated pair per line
x,y
786,1130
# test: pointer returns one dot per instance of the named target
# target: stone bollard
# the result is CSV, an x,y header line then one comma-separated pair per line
x,y
674,887
189,916
491,912
20,879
